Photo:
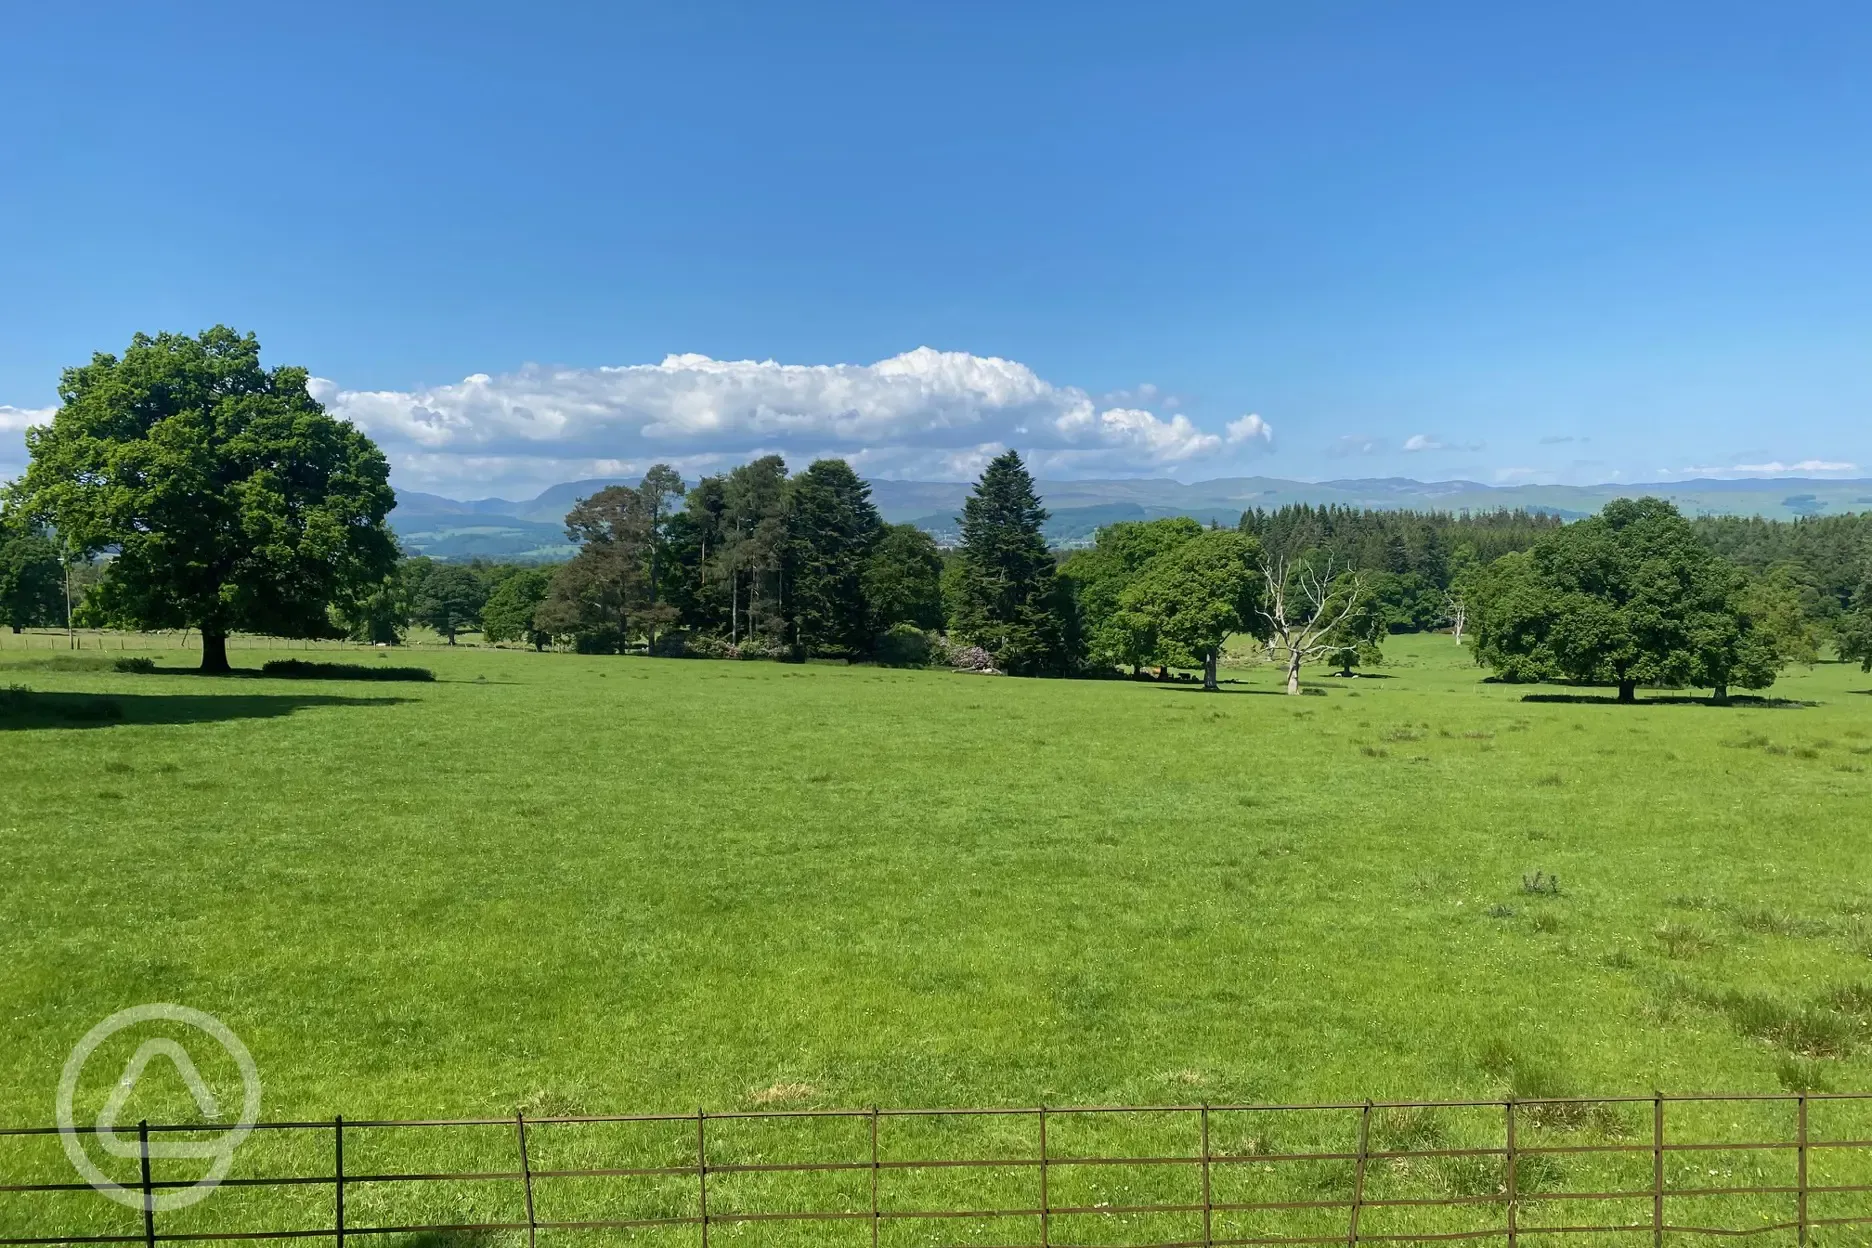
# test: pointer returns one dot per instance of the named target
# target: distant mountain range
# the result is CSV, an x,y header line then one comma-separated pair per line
x,y
498,528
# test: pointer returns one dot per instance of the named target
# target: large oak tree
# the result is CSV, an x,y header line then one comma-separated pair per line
x,y
1626,598
231,500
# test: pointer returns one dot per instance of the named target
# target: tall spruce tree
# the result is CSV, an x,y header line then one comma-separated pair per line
x,y
1008,599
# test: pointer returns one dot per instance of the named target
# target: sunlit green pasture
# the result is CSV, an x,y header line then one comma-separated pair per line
x,y
563,884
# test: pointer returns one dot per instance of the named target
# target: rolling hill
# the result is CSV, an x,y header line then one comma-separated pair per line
x,y
498,528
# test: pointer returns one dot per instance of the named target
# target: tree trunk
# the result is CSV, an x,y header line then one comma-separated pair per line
x,y
1628,691
1722,695
451,636
1293,672
17,630
1210,684
214,660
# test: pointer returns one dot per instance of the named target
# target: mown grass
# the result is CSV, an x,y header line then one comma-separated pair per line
x,y
572,884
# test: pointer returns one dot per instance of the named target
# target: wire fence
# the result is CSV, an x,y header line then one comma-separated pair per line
x,y
1793,1168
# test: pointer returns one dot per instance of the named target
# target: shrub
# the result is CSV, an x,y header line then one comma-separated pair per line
x,y
671,644
140,666
905,645
602,640
300,669
970,659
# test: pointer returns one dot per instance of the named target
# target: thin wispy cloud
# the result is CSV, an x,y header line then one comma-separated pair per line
x,y
1772,468
1419,442
1347,444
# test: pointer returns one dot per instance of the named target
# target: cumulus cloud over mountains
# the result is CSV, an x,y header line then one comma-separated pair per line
x,y
923,413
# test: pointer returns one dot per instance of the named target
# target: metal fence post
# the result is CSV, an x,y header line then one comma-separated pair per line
x,y
526,1177
1657,1169
1358,1174
149,1194
338,1175
1208,1207
1046,1229
875,1215
1800,1178
1513,1179
701,1155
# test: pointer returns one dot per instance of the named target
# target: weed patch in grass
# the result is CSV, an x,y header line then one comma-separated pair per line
x,y
1683,940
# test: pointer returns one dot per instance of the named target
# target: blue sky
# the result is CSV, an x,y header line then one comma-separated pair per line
x,y
1596,242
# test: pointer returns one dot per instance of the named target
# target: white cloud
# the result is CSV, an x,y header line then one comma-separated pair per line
x,y
923,413
1251,429
18,419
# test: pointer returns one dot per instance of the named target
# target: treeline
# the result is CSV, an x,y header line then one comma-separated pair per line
x,y
1829,555
749,563
1409,560
1399,542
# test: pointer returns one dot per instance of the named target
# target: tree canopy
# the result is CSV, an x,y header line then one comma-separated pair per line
x,y
1628,597
834,528
449,599
231,500
1099,576
509,612
1183,603
32,592
902,580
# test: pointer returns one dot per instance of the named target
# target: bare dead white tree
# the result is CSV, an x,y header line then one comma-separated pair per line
x,y
1304,608
1456,610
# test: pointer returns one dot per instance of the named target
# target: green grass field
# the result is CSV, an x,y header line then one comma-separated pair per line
x,y
598,884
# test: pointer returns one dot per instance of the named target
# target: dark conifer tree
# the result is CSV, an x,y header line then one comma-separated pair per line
x,y
1008,600
834,528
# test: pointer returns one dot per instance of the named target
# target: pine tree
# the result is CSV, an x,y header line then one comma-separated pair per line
x,y
1008,600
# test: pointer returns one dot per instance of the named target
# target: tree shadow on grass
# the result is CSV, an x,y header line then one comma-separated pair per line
x,y
1735,702
25,708
1196,687
295,669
